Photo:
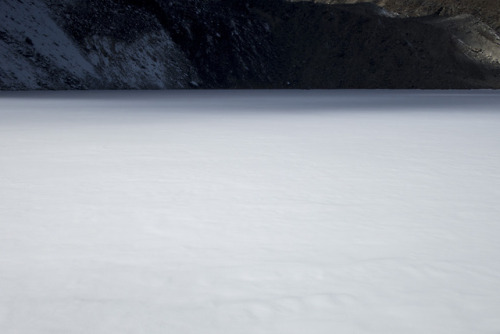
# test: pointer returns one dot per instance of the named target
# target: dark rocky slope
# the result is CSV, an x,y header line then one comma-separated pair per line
x,y
360,46
486,10
122,44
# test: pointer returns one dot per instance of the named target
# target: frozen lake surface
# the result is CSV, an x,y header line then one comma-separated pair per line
x,y
250,212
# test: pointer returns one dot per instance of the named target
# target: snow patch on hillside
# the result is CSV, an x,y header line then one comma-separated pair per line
x,y
36,52
29,37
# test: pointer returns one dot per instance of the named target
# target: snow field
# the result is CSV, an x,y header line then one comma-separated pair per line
x,y
249,212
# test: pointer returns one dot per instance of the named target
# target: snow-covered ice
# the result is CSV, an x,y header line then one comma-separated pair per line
x,y
250,212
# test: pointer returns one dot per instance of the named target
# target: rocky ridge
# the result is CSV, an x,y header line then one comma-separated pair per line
x,y
157,44
486,10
